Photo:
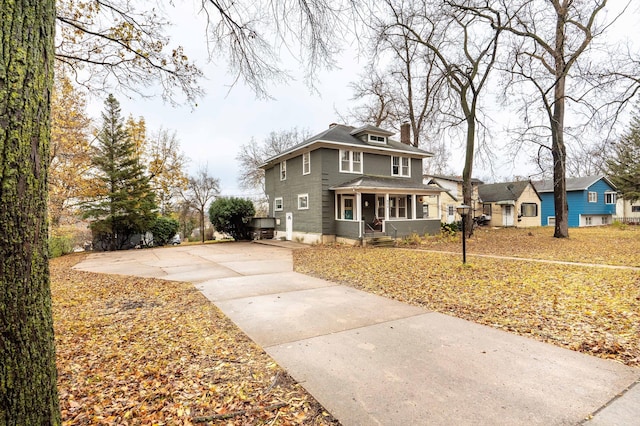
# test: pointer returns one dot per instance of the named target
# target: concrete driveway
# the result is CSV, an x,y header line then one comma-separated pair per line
x,y
370,360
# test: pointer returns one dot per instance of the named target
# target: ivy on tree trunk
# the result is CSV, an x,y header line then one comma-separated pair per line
x,y
28,394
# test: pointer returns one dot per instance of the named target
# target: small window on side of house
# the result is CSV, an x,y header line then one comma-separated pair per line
x,y
283,170
529,209
635,209
486,209
306,163
277,204
303,201
587,220
593,197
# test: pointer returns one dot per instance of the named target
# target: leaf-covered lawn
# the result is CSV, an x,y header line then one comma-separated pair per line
x,y
610,245
133,351
589,309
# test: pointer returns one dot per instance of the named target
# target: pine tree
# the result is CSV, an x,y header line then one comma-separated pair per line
x,y
123,203
624,164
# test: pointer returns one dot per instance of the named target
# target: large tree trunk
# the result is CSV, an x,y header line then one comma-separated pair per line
x,y
28,393
558,148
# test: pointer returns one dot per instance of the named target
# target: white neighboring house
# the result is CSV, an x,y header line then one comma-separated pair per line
x,y
452,197
627,211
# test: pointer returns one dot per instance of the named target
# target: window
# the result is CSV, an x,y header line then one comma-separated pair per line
x,y
400,166
277,204
605,220
551,221
486,209
397,207
374,138
635,209
593,197
587,220
451,210
303,201
425,211
609,197
350,161
529,209
306,163
347,207
283,170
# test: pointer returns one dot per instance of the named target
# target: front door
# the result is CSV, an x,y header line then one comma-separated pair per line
x,y
289,226
507,215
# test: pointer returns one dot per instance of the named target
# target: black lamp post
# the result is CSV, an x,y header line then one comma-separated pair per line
x,y
463,211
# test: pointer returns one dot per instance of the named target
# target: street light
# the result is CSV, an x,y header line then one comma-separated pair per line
x,y
463,211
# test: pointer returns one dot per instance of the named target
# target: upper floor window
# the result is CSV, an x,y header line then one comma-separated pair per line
x,y
306,163
378,139
350,161
635,209
400,166
593,197
609,197
283,170
277,204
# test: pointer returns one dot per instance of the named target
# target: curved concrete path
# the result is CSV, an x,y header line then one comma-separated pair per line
x,y
370,360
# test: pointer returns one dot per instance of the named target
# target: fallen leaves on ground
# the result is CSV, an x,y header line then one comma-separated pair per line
x,y
609,245
134,351
588,309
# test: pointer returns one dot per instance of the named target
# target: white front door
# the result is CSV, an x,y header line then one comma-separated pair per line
x,y
507,215
289,226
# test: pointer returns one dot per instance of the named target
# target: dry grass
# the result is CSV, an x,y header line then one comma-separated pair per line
x,y
594,310
134,351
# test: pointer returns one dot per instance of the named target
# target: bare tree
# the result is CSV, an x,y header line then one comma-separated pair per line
x,y
201,188
548,41
253,154
462,37
121,44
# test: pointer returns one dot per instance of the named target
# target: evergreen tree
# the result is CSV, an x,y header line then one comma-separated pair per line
x,y
624,165
123,203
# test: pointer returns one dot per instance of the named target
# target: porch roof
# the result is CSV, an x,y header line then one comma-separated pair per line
x,y
383,183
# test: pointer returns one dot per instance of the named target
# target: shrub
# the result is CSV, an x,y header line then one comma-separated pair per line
x,y
163,229
60,245
231,215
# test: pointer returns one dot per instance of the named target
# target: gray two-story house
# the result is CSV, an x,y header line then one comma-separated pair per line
x,y
346,183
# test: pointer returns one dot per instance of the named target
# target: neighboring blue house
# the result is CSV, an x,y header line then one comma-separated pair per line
x,y
591,201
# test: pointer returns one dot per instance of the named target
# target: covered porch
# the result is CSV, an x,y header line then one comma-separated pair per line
x,y
370,206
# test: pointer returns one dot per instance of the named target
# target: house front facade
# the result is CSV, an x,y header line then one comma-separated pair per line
x,y
346,183
516,204
591,201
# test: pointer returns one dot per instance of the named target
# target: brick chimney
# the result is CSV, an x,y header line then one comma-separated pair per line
x,y
405,133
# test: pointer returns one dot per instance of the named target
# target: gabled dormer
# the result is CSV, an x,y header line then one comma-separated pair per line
x,y
372,135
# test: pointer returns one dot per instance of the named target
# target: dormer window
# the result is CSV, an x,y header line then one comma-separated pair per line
x,y
377,139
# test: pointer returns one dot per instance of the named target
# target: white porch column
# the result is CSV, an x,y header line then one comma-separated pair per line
x,y
358,206
386,206
415,207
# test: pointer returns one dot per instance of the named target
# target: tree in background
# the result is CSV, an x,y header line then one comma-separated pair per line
x,y
28,394
166,169
122,203
232,216
462,43
70,158
253,154
623,167
201,189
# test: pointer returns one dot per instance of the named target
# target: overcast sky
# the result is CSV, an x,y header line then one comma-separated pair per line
x,y
224,119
